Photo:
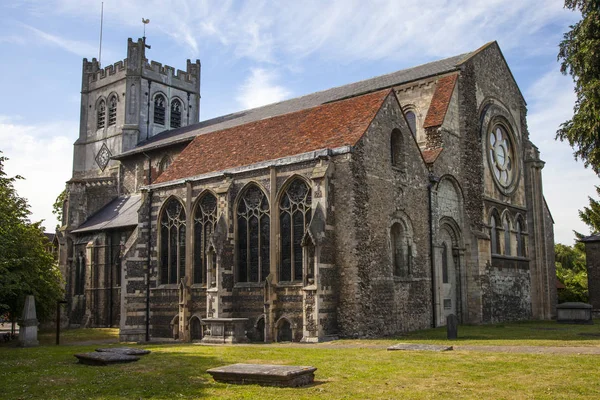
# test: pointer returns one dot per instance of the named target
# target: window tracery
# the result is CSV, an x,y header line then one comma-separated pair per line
x,y
294,217
159,109
172,242
175,114
112,110
205,220
501,155
253,235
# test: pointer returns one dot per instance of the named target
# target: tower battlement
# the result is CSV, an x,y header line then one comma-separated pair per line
x,y
190,75
95,73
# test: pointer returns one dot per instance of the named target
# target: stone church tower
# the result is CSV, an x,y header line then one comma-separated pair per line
x,y
122,105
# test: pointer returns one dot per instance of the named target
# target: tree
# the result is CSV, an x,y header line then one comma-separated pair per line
x,y
57,207
572,272
579,54
591,215
25,265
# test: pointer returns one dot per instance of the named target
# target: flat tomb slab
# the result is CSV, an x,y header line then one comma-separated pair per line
x,y
264,374
104,358
129,351
420,347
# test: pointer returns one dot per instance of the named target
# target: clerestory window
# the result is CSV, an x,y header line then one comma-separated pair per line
x,y
172,242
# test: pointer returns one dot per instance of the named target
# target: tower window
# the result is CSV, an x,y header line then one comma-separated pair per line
x,y
101,115
112,110
159,109
175,114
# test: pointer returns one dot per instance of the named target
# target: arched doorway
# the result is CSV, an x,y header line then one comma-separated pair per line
x,y
260,330
195,328
448,272
284,331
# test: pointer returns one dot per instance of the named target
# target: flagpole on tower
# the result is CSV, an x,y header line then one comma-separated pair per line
x,y
101,22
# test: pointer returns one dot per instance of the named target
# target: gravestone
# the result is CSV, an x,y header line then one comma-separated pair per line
x,y
452,327
574,313
419,347
28,325
129,351
104,358
264,374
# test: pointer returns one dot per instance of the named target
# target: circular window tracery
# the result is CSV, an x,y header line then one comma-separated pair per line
x,y
502,156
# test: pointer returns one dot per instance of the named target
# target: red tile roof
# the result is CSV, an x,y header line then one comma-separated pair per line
x,y
330,125
429,156
440,101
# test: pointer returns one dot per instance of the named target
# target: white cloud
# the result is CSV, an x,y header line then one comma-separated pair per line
x,y
76,47
260,88
42,155
567,184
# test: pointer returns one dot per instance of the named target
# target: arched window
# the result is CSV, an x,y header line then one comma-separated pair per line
x,y
165,162
205,219
444,263
506,226
101,115
494,235
401,251
253,230
159,109
294,217
175,114
112,110
79,287
520,239
411,118
397,148
172,242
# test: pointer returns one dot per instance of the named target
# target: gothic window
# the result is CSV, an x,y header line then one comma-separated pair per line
x,y
501,155
253,230
520,239
397,148
294,217
159,109
175,114
506,226
444,263
401,251
494,235
172,242
79,287
411,118
205,219
101,115
112,110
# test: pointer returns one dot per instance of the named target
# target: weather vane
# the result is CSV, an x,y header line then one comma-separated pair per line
x,y
145,22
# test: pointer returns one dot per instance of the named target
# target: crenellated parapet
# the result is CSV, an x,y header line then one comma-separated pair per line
x,y
191,76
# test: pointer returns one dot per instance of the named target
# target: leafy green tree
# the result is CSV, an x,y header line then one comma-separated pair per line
x,y
572,272
579,54
57,207
591,215
25,265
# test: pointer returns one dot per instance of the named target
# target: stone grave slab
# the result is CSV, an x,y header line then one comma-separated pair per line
x,y
420,347
264,374
129,351
104,358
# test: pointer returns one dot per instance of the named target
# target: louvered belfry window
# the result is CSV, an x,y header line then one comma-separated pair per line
x,y
172,242
205,219
101,115
175,114
159,109
112,111
294,217
253,230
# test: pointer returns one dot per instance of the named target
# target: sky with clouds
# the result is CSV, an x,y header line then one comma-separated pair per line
x,y
258,52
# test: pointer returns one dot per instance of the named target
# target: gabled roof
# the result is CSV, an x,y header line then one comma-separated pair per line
x,y
327,126
440,101
187,133
119,213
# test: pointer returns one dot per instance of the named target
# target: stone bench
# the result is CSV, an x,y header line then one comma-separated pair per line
x,y
264,374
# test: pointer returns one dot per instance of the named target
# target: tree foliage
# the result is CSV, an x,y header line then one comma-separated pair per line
x,y
579,54
591,215
572,272
26,267
57,207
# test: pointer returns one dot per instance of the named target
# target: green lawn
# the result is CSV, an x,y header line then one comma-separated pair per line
x,y
352,371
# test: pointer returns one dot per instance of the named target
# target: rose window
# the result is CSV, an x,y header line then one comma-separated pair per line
x,y
501,153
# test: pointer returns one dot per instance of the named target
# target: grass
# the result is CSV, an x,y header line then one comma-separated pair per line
x,y
346,369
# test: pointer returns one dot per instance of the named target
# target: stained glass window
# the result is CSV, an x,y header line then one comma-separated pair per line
x,y
112,110
253,226
101,115
294,217
205,220
172,242
159,109
175,114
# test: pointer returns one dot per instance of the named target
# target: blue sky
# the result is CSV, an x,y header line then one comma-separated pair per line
x,y
258,52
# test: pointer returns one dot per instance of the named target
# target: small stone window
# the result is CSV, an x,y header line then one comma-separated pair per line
x,y
411,118
165,162
495,246
112,110
401,251
444,263
101,115
175,113
521,252
506,226
159,109
253,235
172,242
294,217
397,148
205,220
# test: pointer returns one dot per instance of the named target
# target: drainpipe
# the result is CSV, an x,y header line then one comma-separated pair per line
x,y
432,181
148,116
148,247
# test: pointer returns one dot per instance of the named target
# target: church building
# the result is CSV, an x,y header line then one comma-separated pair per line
x,y
370,209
